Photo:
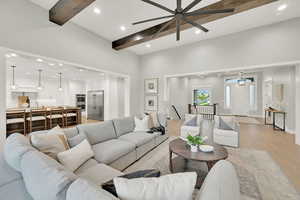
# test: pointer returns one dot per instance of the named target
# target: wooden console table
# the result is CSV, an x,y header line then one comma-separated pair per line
x,y
275,113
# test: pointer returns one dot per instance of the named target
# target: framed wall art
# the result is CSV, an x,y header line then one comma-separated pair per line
x,y
151,103
151,86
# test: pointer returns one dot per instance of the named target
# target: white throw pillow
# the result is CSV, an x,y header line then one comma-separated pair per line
x,y
141,124
50,143
82,189
75,157
169,187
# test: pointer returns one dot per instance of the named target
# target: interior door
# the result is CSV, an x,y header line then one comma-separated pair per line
x,y
96,105
240,96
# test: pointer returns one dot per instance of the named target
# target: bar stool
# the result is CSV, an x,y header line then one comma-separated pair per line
x,y
14,122
69,114
56,115
36,117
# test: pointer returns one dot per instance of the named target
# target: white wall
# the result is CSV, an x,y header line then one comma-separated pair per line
x,y
265,45
3,99
26,27
297,99
286,77
181,92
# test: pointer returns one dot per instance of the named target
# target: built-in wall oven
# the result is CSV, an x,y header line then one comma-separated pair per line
x,y
81,101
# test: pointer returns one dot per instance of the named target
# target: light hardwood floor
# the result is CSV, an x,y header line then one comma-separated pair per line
x,y
280,145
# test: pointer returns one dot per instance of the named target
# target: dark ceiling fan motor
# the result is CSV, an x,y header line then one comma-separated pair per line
x,y
181,14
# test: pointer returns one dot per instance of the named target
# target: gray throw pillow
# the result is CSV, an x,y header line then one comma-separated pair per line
x,y
224,125
192,122
74,141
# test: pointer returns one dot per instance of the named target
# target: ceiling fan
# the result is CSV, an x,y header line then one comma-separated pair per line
x,y
181,14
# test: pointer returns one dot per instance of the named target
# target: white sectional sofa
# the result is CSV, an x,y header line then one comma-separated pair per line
x,y
28,174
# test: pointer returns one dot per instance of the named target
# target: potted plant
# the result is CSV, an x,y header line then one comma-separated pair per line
x,y
194,142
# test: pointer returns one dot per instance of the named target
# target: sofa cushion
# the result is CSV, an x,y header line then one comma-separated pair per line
x,y
88,164
98,132
14,190
100,174
82,189
221,183
45,178
71,132
124,125
170,187
138,138
15,147
7,174
109,151
76,156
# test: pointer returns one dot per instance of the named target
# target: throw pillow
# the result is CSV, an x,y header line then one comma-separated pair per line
x,y
76,156
74,141
192,122
226,123
141,124
50,143
169,187
154,119
82,189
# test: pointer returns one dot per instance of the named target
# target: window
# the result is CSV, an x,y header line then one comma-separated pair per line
x,y
202,97
227,96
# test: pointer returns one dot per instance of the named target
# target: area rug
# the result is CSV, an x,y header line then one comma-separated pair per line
x,y
260,177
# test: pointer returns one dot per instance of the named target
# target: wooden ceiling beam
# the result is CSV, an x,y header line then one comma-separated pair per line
x,y
64,10
147,34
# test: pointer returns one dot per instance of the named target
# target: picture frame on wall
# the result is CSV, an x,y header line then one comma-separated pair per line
x,y
151,86
151,103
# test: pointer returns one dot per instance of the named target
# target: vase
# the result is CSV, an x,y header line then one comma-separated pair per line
x,y
194,148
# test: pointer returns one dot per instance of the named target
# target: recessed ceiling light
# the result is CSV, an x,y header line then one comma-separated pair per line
x,y
148,45
60,64
97,11
282,7
13,55
7,55
51,64
81,70
39,60
123,28
197,32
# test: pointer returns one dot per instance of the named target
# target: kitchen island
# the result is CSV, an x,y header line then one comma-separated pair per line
x,y
33,119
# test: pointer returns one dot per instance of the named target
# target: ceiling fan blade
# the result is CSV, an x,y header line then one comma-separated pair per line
x,y
159,6
177,29
195,24
163,28
192,5
205,12
153,19
179,5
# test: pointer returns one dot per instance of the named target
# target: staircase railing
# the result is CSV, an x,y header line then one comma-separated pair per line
x,y
174,108
207,111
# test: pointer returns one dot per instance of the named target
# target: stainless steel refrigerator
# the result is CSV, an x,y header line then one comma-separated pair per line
x,y
95,102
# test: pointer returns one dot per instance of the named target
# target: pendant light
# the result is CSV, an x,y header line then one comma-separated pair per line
x,y
60,85
13,84
40,87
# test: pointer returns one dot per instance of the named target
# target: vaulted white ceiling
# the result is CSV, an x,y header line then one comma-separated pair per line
x,y
117,13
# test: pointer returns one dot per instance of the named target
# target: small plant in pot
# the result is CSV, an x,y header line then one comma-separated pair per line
x,y
194,142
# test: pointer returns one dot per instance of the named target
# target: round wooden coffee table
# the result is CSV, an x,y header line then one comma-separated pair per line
x,y
182,149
